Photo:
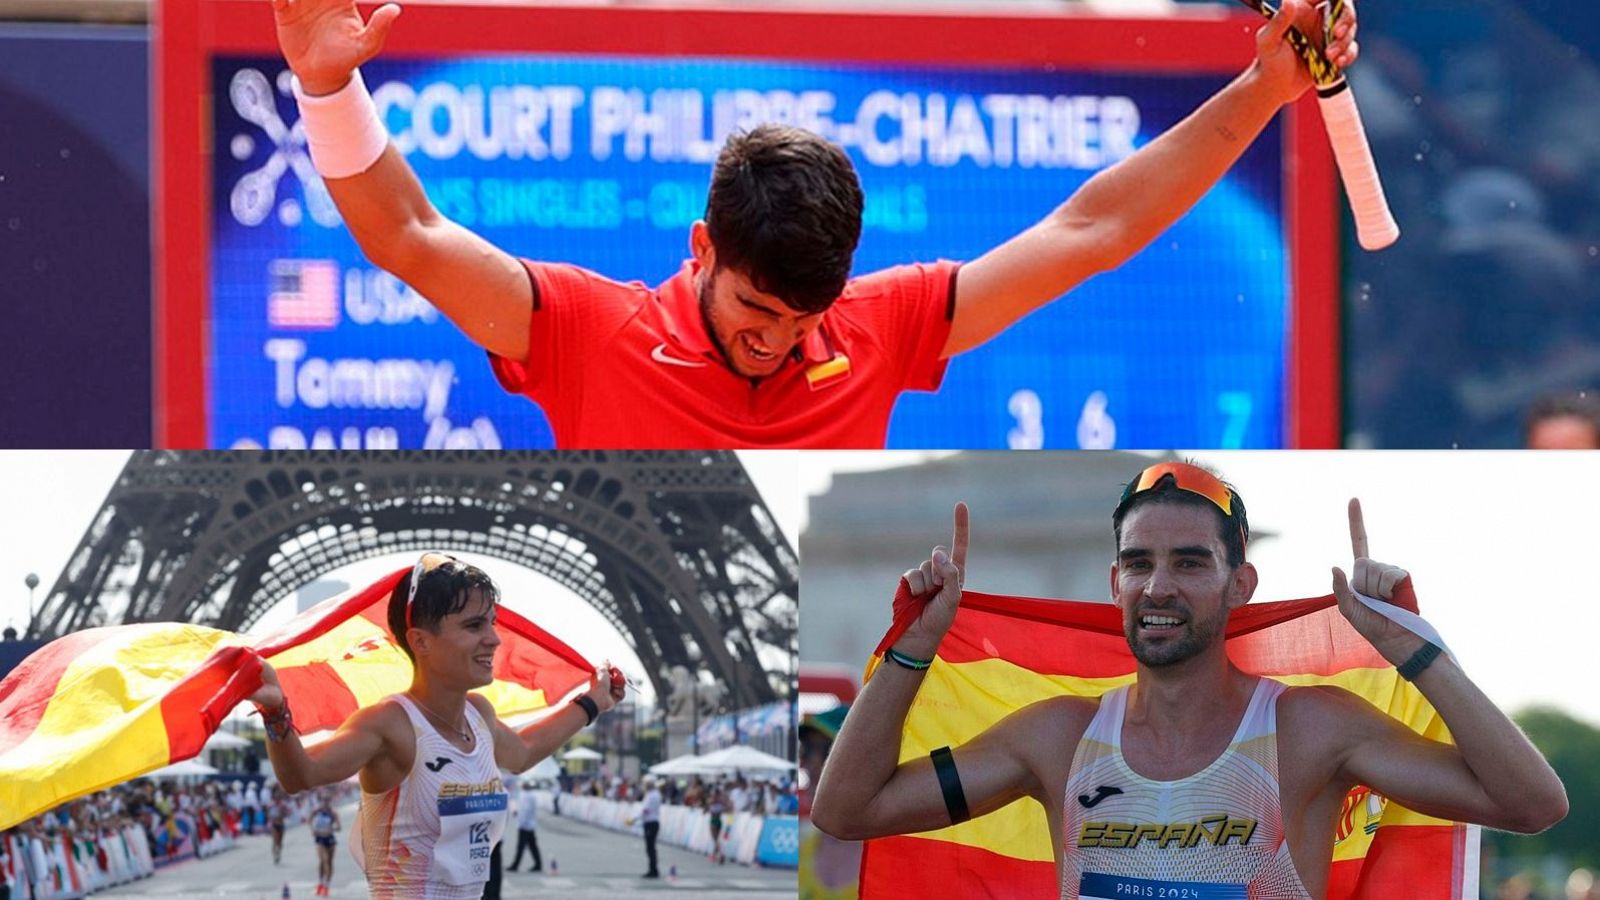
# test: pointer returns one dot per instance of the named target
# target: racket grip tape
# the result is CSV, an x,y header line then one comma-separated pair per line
x,y
1375,225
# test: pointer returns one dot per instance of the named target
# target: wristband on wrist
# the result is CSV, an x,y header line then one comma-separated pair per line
x,y
277,722
343,132
907,662
1419,661
589,707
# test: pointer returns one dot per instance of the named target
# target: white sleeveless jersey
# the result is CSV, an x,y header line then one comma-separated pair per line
x,y
1216,835
431,836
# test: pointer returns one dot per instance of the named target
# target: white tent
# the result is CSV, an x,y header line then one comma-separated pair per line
x,y
546,770
739,758
678,765
180,769
581,753
743,758
223,740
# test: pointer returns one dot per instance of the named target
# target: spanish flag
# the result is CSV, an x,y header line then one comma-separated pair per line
x,y
1004,653
98,707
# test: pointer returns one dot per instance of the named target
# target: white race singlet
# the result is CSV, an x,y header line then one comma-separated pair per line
x,y
431,836
1216,835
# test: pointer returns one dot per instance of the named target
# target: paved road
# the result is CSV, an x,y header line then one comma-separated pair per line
x,y
589,863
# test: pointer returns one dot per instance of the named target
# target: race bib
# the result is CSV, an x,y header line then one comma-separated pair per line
x,y
1095,886
468,829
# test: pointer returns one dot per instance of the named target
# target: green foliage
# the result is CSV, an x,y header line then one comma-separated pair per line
x,y
1573,749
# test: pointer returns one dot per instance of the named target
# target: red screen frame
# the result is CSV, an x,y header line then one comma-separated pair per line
x,y
1198,40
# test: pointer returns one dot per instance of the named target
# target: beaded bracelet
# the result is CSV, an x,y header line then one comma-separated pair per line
x,y
909,662
277,722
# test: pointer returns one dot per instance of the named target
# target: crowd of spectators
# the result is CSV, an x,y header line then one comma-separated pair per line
x,y
114,836
125,832
736,793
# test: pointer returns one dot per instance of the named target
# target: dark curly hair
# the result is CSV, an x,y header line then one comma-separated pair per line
x,y
443,590
1235,528
785,210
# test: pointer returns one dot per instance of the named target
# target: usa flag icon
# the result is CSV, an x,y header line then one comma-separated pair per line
x,y
304,294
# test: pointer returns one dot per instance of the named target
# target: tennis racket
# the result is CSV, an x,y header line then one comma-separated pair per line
x,y
1375,225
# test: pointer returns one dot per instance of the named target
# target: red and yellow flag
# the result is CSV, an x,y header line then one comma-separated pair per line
x,y
98,707
1004,653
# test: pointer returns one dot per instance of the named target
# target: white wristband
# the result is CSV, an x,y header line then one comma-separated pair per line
x,y
343,131
1406,619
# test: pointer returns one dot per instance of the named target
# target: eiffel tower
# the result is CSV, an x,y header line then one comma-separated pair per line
x,y
676,549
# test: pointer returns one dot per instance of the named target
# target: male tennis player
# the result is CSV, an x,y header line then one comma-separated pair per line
x,y
1193,734
762,339
432,801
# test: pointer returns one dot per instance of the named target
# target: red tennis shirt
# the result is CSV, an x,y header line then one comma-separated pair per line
x,y
623,366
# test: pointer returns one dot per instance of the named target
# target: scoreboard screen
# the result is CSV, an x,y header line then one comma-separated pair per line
x,y
598,157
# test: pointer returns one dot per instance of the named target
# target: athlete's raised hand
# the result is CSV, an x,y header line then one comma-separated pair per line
x,y
607,686
325,40
1279,63
1377,580
270,694
943,571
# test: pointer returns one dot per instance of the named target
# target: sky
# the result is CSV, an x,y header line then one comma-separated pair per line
x,y
49,498
1498,543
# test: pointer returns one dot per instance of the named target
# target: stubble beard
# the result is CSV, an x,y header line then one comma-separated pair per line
x,y
1198,637
710,323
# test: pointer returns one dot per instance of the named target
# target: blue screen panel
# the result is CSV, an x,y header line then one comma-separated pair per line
x,y
604,162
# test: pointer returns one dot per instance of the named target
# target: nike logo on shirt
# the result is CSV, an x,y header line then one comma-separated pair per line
x,y
659,354
1100,793
440,762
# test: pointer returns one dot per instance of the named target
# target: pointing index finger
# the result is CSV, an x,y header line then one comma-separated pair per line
x,y
958,540
1358,530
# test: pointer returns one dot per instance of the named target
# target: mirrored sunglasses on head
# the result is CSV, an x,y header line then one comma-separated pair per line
x,y
426,563
1185,477
1191,479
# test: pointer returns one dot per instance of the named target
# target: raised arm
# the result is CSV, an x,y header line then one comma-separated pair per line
x,y
864,790
357,742
1492,776
521,750
482,289
1122,209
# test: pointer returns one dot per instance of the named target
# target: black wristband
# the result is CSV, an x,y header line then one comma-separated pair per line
x,y
907,662
955,799
589,707
1420,660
